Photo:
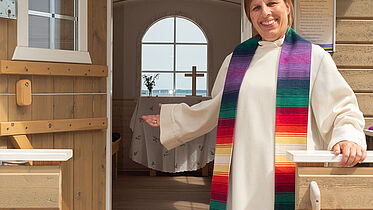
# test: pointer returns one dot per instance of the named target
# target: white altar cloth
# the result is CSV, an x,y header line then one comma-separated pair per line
x,y
147,150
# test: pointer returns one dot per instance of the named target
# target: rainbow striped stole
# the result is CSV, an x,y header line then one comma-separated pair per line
x,y
292,101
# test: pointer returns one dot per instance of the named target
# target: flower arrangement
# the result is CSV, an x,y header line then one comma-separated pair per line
x,y
149,82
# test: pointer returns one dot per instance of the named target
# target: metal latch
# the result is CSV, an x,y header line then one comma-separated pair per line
x,y
8,9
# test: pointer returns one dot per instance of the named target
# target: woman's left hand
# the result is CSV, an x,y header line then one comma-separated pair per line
x,y
352,153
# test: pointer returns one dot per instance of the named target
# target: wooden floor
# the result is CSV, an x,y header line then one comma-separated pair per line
x,y
161,193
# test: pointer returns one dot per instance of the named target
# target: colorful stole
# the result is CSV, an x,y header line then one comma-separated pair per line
x,y
292,103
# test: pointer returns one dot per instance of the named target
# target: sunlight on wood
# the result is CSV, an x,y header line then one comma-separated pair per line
x,y
190,205
190,180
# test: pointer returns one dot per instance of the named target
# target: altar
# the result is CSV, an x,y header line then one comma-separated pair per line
x,y
147,150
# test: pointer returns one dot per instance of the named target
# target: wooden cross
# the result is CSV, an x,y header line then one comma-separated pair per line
x,y
194,76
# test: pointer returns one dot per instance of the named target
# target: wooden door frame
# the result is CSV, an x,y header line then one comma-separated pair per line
x,y
109,88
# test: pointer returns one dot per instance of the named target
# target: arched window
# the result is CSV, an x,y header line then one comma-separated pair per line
x,y
170,48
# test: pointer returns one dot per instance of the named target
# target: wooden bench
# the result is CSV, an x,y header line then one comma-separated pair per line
x,y
331,187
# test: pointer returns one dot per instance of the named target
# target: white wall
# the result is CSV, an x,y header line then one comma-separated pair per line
x,y
221,21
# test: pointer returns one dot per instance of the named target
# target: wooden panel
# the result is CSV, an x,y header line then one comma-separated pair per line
x,y
97,31
45,68
340,187
83,107
355,8
99,85
63,85
83,85
42,84
42,109
3,117
365,101
17,112
353,55
3,83
122,113
360,80
3,38
12,38
99,157
30,187
354,31
63,109
51,126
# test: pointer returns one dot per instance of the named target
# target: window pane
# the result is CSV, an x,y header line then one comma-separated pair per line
x,y
184,85
163,85
65,7
161,31
38,31
188,32
191,55
157,57
64,35
39,5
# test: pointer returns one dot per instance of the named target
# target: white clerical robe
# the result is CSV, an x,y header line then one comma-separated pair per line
x,y
334,116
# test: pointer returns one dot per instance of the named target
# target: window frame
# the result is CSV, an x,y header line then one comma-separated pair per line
x,y
24,52
175,44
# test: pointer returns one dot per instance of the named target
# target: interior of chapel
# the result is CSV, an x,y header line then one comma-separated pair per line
x,y
76,77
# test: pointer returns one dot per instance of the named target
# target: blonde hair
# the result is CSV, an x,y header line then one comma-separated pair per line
x,y
287,2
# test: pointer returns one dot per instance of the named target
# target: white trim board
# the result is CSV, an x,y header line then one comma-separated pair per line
x,y
319,156
51,55
36,154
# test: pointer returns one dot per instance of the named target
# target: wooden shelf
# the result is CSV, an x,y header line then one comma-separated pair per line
x,y
51,126
36,154
52,69
320,156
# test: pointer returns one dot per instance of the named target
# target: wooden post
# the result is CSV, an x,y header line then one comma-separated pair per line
x,y
194,76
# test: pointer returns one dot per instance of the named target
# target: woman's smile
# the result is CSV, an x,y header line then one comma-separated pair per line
x,y
269,18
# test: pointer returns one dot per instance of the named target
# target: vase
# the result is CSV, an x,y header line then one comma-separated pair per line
x,y
150,89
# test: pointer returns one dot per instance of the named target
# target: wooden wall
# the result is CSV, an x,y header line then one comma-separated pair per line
x,y
354,50
84,184
122,113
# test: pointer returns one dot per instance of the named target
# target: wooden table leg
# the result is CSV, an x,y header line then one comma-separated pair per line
x,y
152,172
205,170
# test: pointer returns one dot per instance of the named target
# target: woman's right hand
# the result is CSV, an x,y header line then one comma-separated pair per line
x,y
153,120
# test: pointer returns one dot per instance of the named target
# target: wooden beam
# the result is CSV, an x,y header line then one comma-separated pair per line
x,y
51,126
52,69
21,142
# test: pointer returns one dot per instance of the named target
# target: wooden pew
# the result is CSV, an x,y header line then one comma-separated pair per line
x,y
23,186
332,187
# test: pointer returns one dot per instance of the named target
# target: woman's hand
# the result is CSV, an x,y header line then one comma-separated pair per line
x,y
352,153
153,120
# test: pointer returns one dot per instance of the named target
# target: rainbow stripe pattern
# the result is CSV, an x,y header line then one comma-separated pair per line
x,y
292,103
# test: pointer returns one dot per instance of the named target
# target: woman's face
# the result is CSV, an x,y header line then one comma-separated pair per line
x,y
269,18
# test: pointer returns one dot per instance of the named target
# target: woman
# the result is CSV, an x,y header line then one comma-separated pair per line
x,y
289,91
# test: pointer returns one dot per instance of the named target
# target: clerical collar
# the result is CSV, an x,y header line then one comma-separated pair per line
x,y
277,43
